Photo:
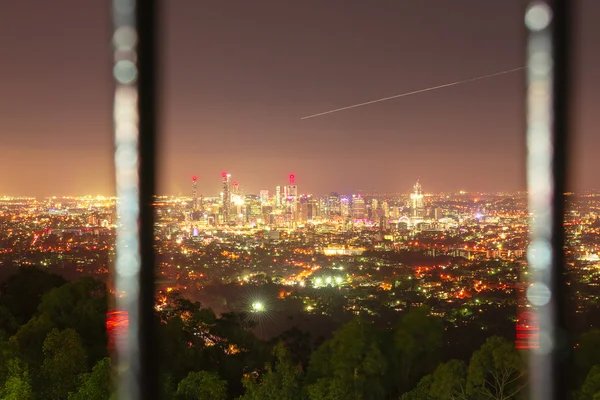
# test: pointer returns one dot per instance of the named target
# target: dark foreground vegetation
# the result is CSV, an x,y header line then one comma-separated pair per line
x,y
54,345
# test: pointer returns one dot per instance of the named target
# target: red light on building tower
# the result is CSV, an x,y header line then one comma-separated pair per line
x,y
194,178
292,179
224,175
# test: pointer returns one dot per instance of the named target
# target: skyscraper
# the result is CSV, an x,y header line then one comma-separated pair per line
x,y
416,197
333,204
195,193
226,206
264,197
278,196
345,207
253,208
291,198
358,207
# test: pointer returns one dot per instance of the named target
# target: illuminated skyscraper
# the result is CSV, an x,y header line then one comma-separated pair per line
x,y
226,206
358,207
416,197
386,208
345,207
253,208
292,189
194,193
333,204
291,198
264,197
278,196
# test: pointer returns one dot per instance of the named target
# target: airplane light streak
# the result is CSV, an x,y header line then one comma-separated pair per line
x,y
417,91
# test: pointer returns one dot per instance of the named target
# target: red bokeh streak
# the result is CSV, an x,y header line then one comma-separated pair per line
x,y
117,324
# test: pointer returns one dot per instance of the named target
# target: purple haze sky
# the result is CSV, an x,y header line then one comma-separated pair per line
x,y
239,75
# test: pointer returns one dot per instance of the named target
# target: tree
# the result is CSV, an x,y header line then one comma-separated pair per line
x,y
202,385
281,382
82,306
7,321
349,366
496,371
6,354
297,343
97,385
449,381
64,360
591,387
421,392
29,340
79,305
31,281
417,342
587,353
18,382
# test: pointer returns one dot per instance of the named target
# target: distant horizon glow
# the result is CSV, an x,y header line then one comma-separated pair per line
x,y
234,103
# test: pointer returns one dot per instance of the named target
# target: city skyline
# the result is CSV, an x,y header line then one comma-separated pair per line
x,y
233,101
196,190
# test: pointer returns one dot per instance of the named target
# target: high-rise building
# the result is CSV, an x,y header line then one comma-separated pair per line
x,y
278,196
333,204
416,197
253,208
345,207
291,198
438,213
303,208
264,197
226,200
358,207
386,208
195,193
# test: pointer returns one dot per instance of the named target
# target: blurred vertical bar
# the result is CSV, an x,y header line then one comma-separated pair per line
x,y
547,124
134,72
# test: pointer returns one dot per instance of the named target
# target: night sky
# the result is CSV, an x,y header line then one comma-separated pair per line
x,y
239,75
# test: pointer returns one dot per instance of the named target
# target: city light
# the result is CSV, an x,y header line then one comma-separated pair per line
x,y
258,306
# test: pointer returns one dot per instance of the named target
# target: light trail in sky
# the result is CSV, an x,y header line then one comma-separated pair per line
x,y
508,71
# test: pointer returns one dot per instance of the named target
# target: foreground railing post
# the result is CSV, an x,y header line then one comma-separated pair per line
x,y
134,71
547,125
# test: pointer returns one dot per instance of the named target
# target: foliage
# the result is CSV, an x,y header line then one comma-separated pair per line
x,y
31,281
8,322
29,340
97,385
79,305
449,381
496,371
82,306
587,353
421,392
202,385
50,354
591,387
281,382
193,338
18,383
64,360
351,365
417,341
298,345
